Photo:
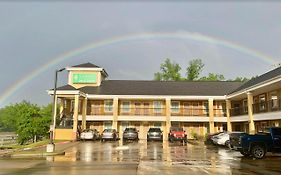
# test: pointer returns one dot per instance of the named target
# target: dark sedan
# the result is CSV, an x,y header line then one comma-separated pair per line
x,y
154,134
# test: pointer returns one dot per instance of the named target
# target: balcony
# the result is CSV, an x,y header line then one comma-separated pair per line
x,y
189,112
142,111
99,111
239,111
267,106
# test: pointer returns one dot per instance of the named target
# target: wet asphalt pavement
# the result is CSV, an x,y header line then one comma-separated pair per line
x,y
142,158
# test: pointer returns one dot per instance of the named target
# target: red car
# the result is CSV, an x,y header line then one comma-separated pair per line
x,y
177,133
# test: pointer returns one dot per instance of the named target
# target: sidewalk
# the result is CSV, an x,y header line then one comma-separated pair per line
x,y
40,151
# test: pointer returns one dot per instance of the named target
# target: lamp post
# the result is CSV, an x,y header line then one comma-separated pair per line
x,y
51,145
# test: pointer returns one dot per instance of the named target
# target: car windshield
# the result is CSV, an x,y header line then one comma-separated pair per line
x,y
130,130
88,130
176,129
154,130
108,130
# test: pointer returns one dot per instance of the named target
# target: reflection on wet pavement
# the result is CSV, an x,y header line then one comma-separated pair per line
x,y
150,158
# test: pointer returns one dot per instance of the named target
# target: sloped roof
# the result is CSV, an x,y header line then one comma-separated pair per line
x,y
181,88
66,87
87,65
262,78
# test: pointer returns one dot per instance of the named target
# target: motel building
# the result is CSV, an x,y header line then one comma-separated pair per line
x,y
89,100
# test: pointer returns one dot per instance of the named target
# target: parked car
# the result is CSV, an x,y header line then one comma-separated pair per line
x,y
130,134
154,134
259,144
210,137
177,133
234,139
221,139
89,134
109,134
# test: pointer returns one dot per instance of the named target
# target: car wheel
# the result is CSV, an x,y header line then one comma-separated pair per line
x,y
258,151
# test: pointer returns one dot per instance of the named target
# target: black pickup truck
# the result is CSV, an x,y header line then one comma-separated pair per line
x,y
257,145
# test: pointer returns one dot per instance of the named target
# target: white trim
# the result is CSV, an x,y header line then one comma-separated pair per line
x,y
97,117
141,118
268,116
84,69
67,92
242,118
254,87
189,119
220,119
155,97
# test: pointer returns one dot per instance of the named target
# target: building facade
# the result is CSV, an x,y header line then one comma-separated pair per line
x,y
91,101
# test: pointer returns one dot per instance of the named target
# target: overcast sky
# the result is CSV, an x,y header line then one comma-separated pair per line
x,y
33,34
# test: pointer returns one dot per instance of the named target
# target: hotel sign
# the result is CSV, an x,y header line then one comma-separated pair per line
x,y
84,78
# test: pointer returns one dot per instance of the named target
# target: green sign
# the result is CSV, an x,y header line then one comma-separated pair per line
x,y
84,78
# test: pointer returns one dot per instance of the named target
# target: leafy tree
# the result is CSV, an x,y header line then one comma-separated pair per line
x,y
213,77
29,121
7,119
169,71
194,69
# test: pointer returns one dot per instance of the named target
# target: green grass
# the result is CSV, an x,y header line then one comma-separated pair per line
x,y
31,145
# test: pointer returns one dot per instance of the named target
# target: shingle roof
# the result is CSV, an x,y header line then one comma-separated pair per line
x,y
66,87
262,78
87,65
129,87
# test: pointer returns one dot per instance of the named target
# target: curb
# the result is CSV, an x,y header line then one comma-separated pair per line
x,y
43,154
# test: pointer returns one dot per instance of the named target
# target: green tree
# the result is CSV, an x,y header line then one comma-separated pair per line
x,y
28,120
213,77
168,71
241,79
194,69
7,119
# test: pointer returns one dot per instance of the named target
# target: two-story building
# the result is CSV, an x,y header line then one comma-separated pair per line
x,y
91,101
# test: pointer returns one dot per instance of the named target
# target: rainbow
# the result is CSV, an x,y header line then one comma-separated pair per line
x,y
129,38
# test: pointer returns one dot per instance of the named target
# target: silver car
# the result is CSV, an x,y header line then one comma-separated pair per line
x,y
89,134
109,134
130,134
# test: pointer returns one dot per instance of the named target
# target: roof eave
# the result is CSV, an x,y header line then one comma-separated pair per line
x,y
254,87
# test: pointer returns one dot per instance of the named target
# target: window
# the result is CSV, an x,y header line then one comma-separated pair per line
x,y
262,102
108,106
274,100
206,108
107,125
175,106
95,108
245,106
125,106
157,106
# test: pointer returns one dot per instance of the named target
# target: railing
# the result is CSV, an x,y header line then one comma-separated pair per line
x,y
99,111
220,112
142,111
189,112
267,106
239,111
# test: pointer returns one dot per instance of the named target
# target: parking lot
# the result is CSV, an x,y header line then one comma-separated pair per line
x,y
95,157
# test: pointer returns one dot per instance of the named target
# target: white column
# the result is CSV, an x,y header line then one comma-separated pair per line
x,y
250,113
211,116
228,107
